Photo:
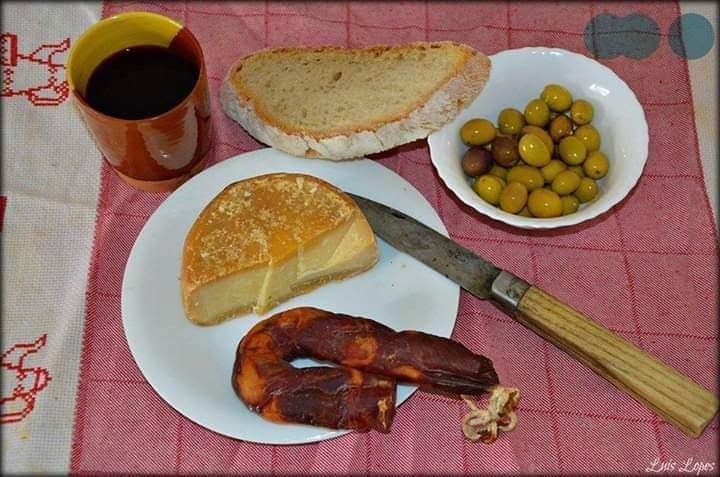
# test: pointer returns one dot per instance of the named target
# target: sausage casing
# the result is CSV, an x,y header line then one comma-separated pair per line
x,y
360,394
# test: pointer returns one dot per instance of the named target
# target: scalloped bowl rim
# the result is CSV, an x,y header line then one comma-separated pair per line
x,y
603,83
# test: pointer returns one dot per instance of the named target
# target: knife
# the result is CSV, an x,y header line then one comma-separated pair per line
x,y
672,395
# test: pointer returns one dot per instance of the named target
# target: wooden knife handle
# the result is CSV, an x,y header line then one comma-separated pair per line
x,y
669,393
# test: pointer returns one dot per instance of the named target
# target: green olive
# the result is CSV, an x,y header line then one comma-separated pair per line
x,y
542,134
570,204
529,176
572,150
533,151
596,165
488,188
581,112
587,190
498,171
577,170
544,203
557,97
552,169
589,136
565,183
513,197
537,113
505,151
477,132
510,121
560,127
476,161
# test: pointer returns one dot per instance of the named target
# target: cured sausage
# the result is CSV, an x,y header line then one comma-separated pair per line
x,y
360,394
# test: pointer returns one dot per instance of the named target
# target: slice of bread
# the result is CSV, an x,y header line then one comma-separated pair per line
x,y
341,103
266,239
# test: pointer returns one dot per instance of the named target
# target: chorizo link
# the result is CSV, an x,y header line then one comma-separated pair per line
x,y
360,394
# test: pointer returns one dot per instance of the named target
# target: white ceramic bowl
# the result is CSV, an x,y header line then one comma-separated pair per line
x,y
518,76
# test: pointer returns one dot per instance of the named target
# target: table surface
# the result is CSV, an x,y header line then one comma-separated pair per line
x,y
73,398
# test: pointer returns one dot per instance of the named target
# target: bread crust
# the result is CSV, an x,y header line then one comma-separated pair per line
x,y
431,113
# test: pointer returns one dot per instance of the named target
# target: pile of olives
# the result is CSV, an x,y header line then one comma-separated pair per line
x,y
543,162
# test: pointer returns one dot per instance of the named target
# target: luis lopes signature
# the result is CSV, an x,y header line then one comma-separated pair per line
x,y
688,466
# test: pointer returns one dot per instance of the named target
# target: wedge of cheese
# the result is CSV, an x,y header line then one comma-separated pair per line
x,y
266,239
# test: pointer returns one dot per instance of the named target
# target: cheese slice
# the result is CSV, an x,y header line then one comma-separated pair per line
x,y
266,239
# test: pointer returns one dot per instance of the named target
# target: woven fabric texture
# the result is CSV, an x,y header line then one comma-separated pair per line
x,y
647,270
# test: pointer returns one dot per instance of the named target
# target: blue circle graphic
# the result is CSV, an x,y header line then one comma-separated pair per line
x,y
691,36
608,36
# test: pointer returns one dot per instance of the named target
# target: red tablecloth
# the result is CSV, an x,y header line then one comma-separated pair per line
x,y
648,270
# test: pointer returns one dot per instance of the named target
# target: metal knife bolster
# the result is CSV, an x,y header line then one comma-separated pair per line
x,y
507,290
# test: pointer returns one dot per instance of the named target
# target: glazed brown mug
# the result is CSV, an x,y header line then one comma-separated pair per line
x,y
155,153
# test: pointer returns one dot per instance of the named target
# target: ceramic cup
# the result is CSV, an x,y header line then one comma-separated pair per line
x,y
154,154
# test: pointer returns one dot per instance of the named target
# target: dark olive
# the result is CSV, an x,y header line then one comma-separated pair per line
x,y
560,127
505,151
476,161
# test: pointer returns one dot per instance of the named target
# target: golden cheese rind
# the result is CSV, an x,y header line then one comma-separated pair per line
x,y
266,239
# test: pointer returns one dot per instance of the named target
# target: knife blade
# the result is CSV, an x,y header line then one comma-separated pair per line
x,y
669,393
457,263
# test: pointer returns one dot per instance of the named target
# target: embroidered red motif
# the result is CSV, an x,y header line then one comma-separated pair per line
x,y
29,381
40,71
3,203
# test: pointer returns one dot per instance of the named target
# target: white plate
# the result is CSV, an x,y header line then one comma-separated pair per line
x,y
517,76
190,366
